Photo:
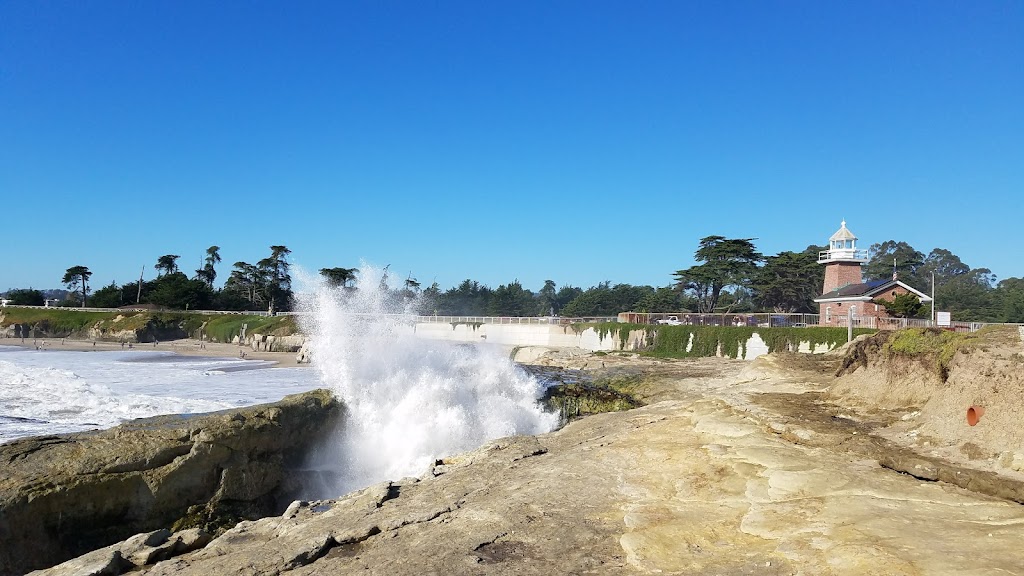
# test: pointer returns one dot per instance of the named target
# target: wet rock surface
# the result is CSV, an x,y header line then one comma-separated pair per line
x,y
62,496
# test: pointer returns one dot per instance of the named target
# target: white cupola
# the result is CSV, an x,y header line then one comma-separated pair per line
x,y
842,247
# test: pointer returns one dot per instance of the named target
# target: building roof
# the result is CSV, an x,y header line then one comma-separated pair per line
x,y
867,291
842,234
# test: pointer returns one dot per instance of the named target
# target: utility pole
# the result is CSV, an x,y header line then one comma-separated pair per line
x,y
138,297
933,298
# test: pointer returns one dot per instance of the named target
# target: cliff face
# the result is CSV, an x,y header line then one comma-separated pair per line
x,y
61,496
272,334
930,379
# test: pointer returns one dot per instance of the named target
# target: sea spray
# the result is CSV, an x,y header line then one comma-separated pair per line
x,y
408,400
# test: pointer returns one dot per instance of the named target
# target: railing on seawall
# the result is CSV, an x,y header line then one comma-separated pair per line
x,y
784,320
434,318
758,319
549,320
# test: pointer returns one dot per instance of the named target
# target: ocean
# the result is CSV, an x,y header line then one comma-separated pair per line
x,y
408,400
54,391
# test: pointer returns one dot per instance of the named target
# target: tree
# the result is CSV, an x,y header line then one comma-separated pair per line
x,y
429,298
167,264
944,264
77,278
1010,295
901,305
565,295
970,296
177,292
247,281
606,300
208,273
339,277
739,299
469,298
789,282
906,259
666,299
726,262
511,300
26,297
547,299
275,271
110,296
411,287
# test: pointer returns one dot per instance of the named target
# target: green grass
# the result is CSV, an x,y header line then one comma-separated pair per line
x,y
54,321
225,327
221,328
934,347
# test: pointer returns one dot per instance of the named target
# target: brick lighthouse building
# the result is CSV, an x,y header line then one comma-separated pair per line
x,y
842,260
845,289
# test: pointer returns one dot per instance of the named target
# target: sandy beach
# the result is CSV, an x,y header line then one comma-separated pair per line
x,y
185,347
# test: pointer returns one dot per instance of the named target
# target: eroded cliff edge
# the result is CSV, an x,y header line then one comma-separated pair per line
x,y
62,496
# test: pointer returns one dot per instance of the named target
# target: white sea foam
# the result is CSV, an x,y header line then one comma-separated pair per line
x,y
54,391
408,401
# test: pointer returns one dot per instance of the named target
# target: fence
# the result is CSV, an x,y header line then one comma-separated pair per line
x,y
760,319
780,320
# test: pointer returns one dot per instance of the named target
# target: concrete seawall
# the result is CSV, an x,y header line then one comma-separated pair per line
x,y
554,336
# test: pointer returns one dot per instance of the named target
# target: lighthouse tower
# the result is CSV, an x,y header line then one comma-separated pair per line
x,y
842,260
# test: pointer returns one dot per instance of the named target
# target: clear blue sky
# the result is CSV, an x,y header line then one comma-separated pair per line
x,y
573,141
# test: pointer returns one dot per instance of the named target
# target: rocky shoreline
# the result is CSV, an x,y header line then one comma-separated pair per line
x,y
722,467
62,496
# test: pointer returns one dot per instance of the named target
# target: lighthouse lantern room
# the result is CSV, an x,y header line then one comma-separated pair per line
x,y
842,260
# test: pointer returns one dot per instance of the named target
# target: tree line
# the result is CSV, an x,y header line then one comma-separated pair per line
x,y
265,285
730,276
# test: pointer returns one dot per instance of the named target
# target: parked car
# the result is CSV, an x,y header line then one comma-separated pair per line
x,y
670,321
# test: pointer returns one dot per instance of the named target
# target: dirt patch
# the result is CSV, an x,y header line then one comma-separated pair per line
x,y
986,371
811,420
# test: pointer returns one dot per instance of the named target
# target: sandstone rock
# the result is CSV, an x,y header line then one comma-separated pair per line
x,y
305,355
716,475
135,552
677,487
271,343
61,496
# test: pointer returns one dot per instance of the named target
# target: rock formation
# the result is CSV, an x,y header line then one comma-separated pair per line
x,y
730,467
693,485
61,496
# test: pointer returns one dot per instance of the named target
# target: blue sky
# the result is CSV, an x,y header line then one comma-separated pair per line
x,y
572,141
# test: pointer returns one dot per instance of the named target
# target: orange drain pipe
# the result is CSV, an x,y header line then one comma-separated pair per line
x,y
974,414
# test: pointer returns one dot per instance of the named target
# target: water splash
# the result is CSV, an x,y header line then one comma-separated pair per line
x,y
408,400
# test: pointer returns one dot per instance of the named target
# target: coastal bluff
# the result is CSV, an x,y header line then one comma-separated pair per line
x,y
62,496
